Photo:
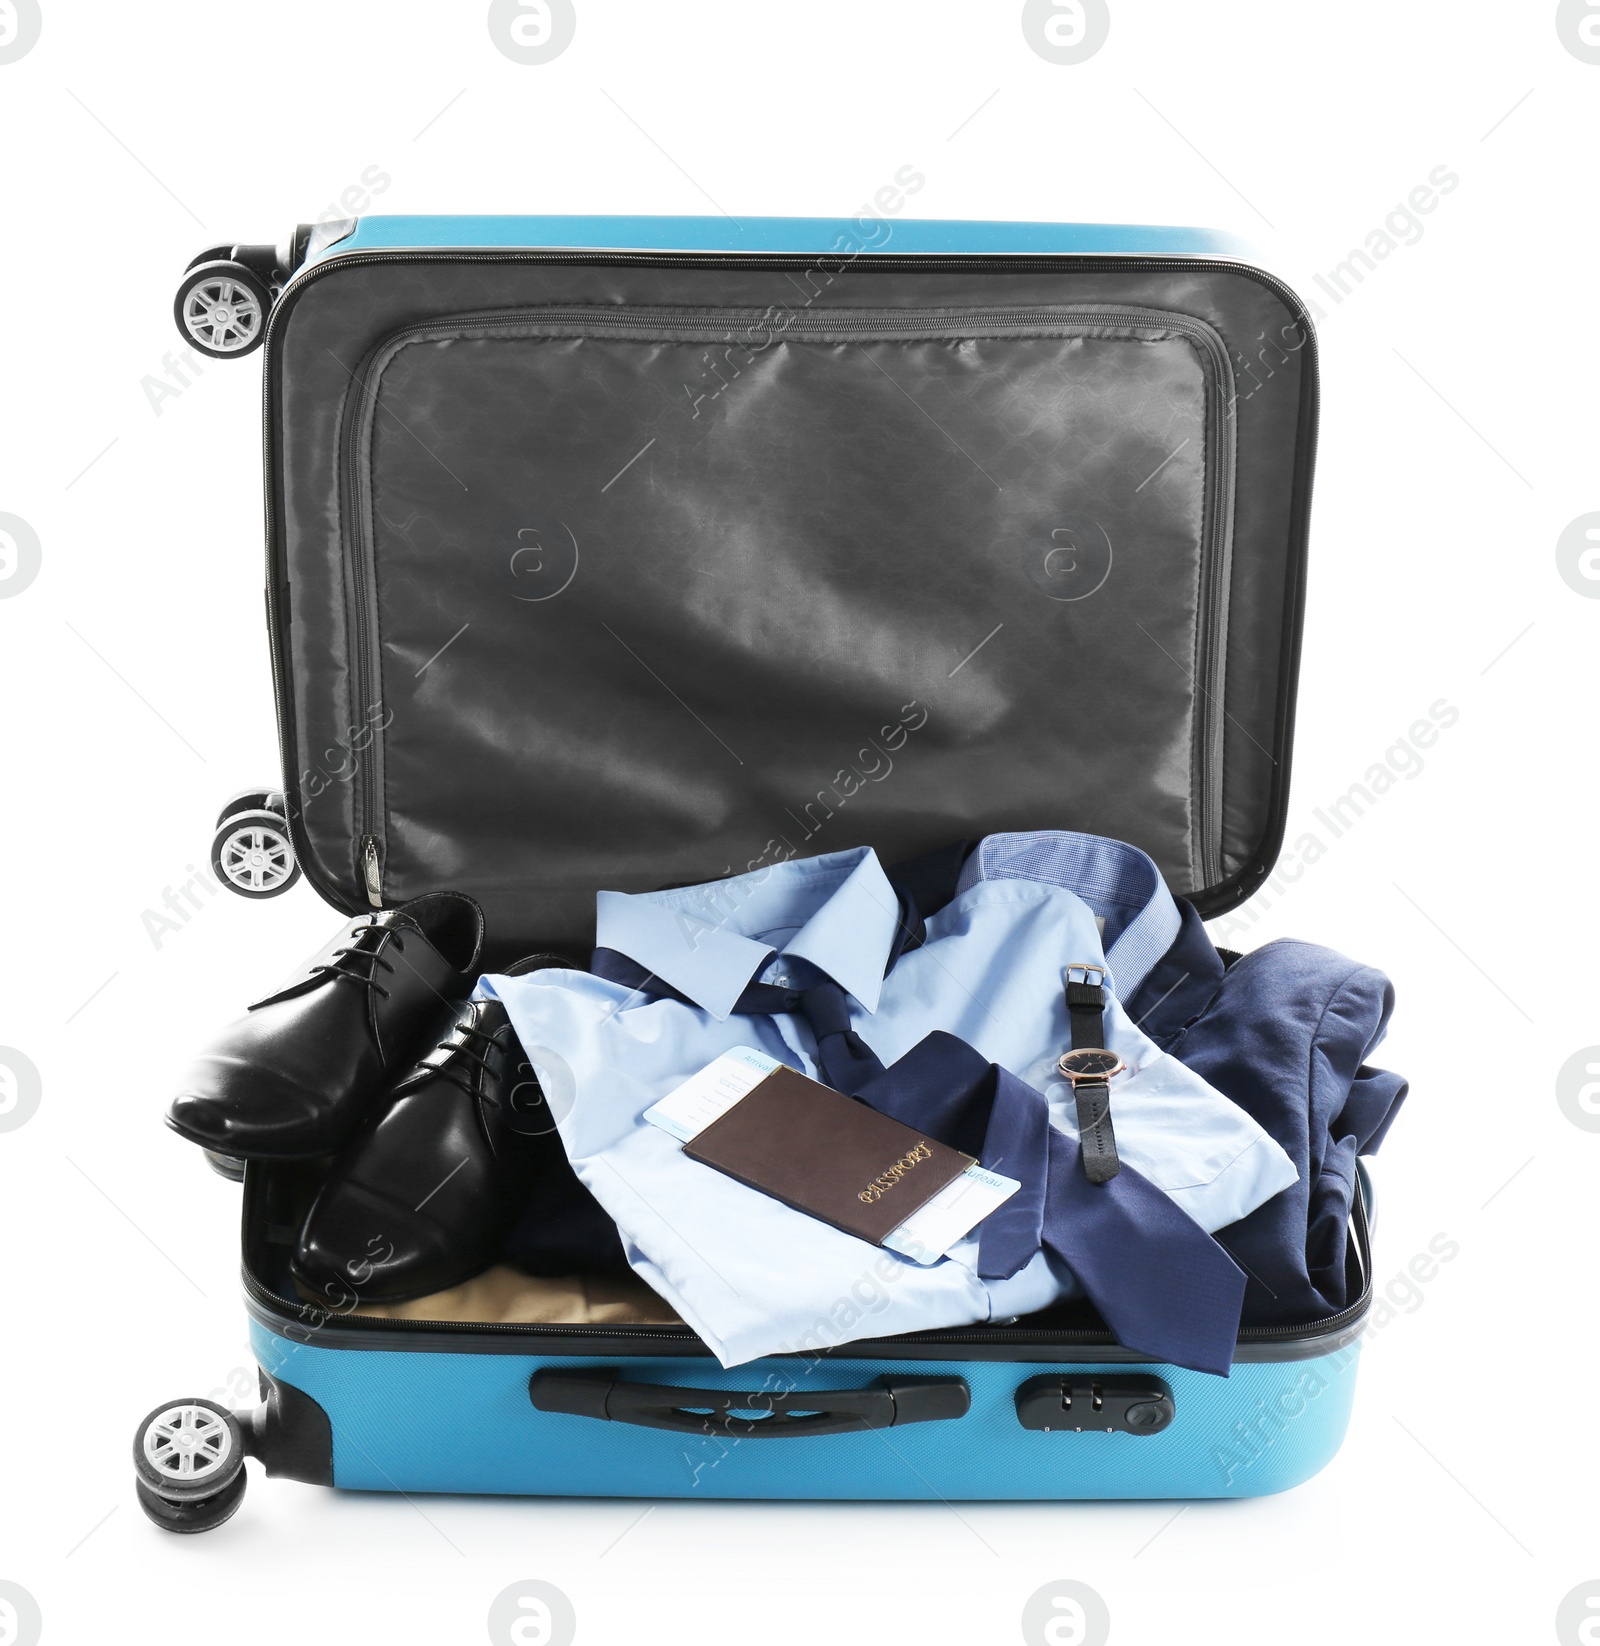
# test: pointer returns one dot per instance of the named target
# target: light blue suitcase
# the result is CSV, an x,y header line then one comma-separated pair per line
x,y
1085,432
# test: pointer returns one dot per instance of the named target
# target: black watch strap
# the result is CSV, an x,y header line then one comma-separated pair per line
x,y
1086,1005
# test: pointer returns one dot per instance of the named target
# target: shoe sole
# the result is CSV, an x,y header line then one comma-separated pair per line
x,y
302,1283
209,1145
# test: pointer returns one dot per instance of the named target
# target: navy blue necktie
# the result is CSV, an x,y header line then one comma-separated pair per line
x,y
846,1060
1162,1284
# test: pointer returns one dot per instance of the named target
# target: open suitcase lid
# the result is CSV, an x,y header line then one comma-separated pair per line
x,y
634,552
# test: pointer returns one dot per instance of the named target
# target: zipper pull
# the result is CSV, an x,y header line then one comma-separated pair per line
x,y
370,871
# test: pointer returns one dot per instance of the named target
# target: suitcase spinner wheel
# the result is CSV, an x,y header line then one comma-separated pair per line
x,y
189,1455
222,309
251,852
224,299
188,1458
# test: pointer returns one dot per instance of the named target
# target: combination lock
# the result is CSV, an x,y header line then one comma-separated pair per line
x,y
1095,1405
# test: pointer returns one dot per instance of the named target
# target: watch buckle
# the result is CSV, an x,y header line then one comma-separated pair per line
x,y
1098,979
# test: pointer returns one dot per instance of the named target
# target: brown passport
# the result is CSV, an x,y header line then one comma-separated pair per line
x,y
827,1155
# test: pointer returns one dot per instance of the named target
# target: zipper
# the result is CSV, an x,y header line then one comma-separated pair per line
x,y
278,616
286,1310
724,324
371,873
321,1321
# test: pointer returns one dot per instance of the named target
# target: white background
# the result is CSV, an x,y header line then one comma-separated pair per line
x,y
1458,442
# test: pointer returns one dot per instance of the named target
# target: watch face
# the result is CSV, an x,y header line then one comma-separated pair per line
x,y
1089,1062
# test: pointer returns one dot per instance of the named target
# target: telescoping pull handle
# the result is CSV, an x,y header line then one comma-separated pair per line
x,y
757,1414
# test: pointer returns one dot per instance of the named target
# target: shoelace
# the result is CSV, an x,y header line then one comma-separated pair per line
x,y
340,964
449,1069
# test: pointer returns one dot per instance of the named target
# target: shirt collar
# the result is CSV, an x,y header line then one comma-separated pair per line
x,y
1139,915
838,912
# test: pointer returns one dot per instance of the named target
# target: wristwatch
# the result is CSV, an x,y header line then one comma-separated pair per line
x,y
1090,1067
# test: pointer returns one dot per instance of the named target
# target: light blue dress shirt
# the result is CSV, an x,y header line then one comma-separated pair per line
x,y
755,1277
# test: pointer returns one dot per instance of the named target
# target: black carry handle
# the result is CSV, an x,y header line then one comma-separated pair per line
x,y
891,1403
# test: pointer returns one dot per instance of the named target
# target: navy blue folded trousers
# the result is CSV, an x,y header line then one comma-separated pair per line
x,y
1285,1032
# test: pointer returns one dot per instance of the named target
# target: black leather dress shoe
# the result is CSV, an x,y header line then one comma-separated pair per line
x,y
423,1197
300,1071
